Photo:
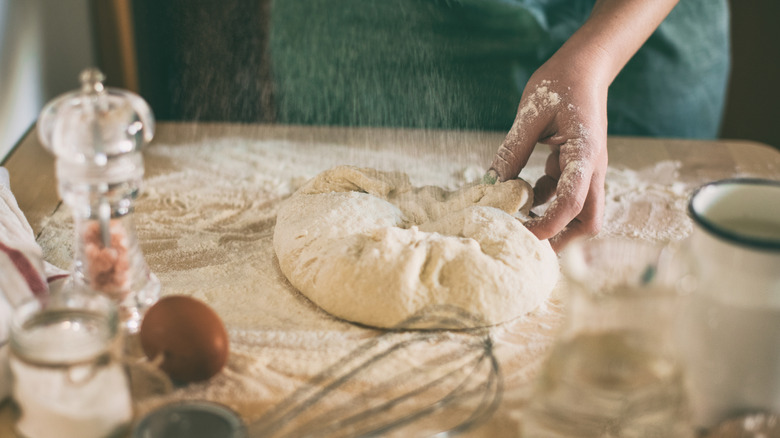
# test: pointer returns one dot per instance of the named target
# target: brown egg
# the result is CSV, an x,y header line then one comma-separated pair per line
x,y
188,334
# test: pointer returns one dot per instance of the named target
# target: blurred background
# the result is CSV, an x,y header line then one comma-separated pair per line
x,y
173,53
43,46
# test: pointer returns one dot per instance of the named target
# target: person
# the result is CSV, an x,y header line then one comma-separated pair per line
x,y
553,72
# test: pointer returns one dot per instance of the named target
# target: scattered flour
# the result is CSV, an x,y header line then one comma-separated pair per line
x,y
649,204
540,99
206,218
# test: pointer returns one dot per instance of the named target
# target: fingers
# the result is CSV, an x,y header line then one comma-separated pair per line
x,y
527,128
545,187
574,125
588,222
578,208
572,192
513,153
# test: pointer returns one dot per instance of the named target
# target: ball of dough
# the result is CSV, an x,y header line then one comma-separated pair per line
x,y
368,247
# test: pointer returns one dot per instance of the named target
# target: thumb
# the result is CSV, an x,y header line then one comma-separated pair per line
x,y
518,144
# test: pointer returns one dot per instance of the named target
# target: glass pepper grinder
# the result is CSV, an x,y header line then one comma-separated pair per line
x,y
96,134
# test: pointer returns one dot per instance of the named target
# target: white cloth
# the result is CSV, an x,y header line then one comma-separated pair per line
x,y
22,269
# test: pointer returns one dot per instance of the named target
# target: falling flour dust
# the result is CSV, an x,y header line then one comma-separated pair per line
x,y
205,219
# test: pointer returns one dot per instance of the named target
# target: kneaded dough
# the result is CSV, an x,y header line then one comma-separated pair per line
x,y
367,246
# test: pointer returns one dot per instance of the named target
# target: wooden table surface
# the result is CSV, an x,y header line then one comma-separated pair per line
x,y
34,183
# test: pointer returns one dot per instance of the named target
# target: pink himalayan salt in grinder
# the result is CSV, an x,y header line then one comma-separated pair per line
x,y
96,134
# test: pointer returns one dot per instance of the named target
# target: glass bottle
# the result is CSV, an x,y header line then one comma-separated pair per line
x,y
97,134
613,371
68,379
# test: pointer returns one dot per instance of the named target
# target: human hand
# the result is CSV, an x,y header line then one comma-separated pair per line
x,y
564,105
566,109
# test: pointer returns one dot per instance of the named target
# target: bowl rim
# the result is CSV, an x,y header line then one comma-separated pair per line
x,y
193,407
719,231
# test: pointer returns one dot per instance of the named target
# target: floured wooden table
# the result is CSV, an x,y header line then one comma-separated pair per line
x,y
205,220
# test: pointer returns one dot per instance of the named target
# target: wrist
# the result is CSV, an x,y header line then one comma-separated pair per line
x,y
582,66
613,33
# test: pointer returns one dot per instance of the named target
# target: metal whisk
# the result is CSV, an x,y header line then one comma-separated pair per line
x,y
378,389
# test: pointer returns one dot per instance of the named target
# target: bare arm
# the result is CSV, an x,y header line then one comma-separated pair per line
x,y
617,29
564,105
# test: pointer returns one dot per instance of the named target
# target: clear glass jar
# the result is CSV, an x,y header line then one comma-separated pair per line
x,y
613,371
68,379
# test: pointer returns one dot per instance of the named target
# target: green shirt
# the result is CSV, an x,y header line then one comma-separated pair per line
x,y
462,64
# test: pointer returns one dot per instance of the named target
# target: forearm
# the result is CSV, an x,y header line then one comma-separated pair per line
x,y
574,123
613,33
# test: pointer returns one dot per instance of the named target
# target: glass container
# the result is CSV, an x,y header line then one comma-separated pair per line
x,y
68,379
613,370
96,134
191,419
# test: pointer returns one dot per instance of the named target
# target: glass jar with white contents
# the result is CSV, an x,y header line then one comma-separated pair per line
x,y
613,371
68,380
